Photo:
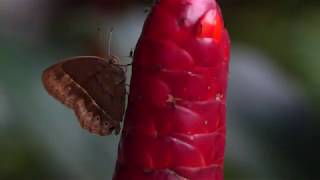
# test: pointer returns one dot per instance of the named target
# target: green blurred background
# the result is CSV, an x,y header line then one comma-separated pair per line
x,y
274,100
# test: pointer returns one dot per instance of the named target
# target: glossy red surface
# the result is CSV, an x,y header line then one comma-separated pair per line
x,y
175,121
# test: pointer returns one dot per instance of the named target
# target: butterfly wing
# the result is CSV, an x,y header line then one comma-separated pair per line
x,y
93,88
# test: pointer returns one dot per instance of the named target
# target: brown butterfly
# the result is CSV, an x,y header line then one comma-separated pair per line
x,y
93,87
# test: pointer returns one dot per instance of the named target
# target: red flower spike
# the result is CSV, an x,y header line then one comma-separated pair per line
x,y
174,127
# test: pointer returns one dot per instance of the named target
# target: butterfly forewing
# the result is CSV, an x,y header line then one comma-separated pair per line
x,y
93,87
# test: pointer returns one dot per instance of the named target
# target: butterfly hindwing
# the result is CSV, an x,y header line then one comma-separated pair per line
x,y
93,87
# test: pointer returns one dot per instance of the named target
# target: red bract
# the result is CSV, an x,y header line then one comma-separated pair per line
x,y
175,120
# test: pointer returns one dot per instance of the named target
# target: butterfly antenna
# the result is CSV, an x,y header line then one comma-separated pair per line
x,y
109,41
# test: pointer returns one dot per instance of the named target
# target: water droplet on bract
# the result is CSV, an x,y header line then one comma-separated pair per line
x,y
219,97
206,122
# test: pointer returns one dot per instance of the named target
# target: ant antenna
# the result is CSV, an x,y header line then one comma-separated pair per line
x,y
130,56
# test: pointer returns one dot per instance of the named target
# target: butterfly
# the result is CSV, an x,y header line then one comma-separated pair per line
x,y
93,87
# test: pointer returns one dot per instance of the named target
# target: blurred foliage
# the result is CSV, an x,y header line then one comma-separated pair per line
x,y
25,157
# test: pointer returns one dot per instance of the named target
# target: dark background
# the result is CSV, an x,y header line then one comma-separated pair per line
x,y
273,105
